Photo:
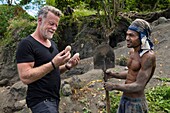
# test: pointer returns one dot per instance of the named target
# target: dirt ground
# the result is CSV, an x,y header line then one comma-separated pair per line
x,y
90,99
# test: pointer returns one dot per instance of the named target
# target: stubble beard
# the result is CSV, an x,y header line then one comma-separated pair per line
x,y
46,34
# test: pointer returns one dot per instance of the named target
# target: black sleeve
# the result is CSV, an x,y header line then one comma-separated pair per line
x,y
24,52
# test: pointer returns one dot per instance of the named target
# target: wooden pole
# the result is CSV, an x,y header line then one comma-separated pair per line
x,y
106,92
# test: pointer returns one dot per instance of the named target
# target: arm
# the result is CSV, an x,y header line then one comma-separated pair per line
x,y
144,75
70,64
118,75
28,73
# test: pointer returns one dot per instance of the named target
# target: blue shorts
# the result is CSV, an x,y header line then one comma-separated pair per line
x,y
132,105
46,106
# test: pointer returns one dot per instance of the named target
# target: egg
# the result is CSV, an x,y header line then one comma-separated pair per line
x,y
68,48
76,55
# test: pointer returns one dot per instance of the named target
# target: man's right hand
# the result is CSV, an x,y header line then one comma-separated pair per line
x,y
109,74
61,58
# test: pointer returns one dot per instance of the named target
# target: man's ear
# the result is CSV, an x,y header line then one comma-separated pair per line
x,y
39,19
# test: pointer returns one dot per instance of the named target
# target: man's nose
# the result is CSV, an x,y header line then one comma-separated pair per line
x,y
54,27
127,37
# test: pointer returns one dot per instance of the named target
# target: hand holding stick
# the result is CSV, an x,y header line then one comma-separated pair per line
x,y
107,92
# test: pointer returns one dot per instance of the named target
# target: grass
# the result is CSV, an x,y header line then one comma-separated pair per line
x,y
158,99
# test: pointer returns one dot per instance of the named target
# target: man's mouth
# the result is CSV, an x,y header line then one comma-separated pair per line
x,y
128,43
51,31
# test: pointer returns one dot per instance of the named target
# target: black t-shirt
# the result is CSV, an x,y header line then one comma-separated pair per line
x,y
30,50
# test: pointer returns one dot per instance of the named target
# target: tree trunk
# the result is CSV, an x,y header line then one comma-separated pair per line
x,y
9,2
106,14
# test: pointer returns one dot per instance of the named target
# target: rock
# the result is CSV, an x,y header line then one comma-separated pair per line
x,y
101,105
84,66
102,53
18,90
161,20
4,82
24,110
20,104
66,89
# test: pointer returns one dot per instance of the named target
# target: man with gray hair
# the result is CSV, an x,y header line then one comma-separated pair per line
x,y
141,66
40,63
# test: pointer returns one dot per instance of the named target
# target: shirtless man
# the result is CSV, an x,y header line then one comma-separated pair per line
x,y
141,66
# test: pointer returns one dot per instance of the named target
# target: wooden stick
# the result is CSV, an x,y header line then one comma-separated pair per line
x,y
106,92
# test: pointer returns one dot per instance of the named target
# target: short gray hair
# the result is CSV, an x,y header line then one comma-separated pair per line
x,y
44,11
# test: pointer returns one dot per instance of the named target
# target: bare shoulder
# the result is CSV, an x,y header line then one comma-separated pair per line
x,y
148,59
149,55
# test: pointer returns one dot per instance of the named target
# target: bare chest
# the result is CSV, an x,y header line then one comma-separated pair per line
x,y
134,62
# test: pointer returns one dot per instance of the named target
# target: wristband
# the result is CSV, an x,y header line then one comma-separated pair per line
x,y
53,65
67,67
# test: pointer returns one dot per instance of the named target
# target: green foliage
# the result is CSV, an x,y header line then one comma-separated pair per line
x,y
83,12
62,4
114,100
86,110
6,14
164,79
131,5
17,30
159,99
77,15
79,12
9,12
50,2
146,5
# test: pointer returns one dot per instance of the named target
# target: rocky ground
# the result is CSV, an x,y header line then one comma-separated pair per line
x,y
85,92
